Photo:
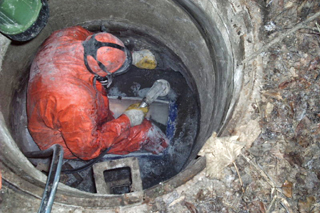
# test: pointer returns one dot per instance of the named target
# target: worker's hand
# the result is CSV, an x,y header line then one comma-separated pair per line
x,y
144,59
136,114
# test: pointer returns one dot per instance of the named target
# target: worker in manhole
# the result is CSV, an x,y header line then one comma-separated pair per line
x,y
68,105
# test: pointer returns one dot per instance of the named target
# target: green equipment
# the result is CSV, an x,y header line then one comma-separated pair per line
x,y
22,20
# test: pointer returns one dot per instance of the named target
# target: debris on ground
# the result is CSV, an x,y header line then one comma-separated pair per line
x,y
279,171
223,151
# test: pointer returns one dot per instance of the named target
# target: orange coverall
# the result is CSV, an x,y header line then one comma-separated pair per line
x,y
64,107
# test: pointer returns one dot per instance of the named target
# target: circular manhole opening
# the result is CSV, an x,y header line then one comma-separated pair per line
x,y
195,56
180,127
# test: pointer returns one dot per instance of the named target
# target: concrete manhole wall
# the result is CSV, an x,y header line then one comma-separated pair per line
x,y
210,37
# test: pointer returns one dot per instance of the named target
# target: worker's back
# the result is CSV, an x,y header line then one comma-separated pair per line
x,y
59,81
67,105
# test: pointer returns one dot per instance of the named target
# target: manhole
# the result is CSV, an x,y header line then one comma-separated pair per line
x,y
199,54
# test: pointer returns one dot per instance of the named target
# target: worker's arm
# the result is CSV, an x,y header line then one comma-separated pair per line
x,y
78,121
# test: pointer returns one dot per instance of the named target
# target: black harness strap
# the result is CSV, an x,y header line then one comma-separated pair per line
x,y
91,47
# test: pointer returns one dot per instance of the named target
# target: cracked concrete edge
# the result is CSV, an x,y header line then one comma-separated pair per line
x,y
28,201
252,74
4,44
246,19
242,25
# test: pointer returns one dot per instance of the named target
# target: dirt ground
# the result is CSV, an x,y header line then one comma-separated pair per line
x,y
280,172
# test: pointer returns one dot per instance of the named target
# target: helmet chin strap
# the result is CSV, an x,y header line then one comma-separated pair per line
x,y
105,81
91,47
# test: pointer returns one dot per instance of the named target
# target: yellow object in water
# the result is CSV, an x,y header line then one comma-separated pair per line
x,y
144,59
137,106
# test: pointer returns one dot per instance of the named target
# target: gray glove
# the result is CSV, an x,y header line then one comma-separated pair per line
x,y
136,114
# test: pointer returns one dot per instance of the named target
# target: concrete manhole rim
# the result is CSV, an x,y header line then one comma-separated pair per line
x,y
39,179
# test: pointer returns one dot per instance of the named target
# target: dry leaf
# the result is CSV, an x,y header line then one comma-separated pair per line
x,y
272,94
305,7
315,63
220,152
262,207
293,158
249,132
288,5
286,84
307,205
275,151
181,198
287,188
191,207
269,108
